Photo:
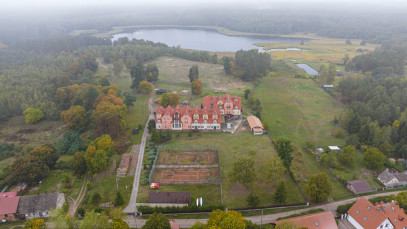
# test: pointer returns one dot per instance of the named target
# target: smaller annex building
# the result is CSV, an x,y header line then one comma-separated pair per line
x,y
171,198
317,220
393,178
364,214
256,127
39,206
358,186
8,206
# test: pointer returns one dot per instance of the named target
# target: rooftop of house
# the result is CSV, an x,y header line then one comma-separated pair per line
x,y
213,100
8,194
386,176
169,197
372,216
9,205
360,186
38,203
317,220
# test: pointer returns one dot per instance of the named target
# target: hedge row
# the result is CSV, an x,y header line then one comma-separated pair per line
x,y
185,209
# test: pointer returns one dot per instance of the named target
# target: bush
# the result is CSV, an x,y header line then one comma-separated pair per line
x,y
144,177
340,134
65,207
342,209
184,209
96,198
81,211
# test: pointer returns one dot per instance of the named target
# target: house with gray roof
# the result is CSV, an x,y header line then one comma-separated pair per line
x,y
39,206
358,186
391,179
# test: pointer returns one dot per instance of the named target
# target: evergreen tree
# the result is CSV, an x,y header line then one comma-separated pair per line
x,y
252,200
280,195
137,74
284,150
119,199
193,73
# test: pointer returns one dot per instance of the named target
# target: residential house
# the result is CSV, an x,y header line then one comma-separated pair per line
x,y
228,105
173,225
364,214
177,118
169,197
317,220
39,206
256,127
392,179
358,186
8,207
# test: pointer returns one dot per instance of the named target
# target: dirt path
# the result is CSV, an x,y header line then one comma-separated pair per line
x,y
74,206
133,162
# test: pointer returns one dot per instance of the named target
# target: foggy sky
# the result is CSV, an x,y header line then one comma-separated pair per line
x,y
61,4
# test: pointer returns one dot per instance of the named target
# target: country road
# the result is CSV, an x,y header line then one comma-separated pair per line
x,y
131,209
332,206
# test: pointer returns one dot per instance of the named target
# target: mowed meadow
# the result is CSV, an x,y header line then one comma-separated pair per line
x,y
299,110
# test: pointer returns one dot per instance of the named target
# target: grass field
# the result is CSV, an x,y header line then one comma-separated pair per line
x,y
16,131
301,111
230,147
174,76
318,49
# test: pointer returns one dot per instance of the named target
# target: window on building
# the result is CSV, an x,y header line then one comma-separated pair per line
x,y
316,224
392,208
214,121
357,212
228,106
368,208
364,219
176,124
186,118
196,121
395,220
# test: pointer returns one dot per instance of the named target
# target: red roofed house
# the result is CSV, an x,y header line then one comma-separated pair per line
x,y
177,118
319,220
228,105
364,214
8,207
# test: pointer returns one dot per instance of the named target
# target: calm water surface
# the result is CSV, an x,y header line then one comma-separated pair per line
x,y
203,39
308,69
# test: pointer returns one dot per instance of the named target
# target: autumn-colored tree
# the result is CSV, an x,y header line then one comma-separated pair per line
x,y
196,87
35,224
98,153
109,115
119,223
318,187
29,169
33,115
47,154
226,220
174,99
75,118
145,87
94,220
152,72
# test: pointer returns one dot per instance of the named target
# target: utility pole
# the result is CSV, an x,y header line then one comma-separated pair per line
x,y
117,184
261,219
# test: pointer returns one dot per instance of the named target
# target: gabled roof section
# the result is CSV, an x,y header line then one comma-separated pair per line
x,y
37,203
386,176
360,186
9,205
366,214
254,122
319,220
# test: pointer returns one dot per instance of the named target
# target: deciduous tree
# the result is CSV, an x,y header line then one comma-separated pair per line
x,y
152,72
275,168
243,171
75,118
157,221
137,74
226,220
373,158
46,153
33,115
346,156
318,187
79,164
29,169
196,87
145,87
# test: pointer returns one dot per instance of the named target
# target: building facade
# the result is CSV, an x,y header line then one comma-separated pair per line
x,y
228,105
40,206
178,118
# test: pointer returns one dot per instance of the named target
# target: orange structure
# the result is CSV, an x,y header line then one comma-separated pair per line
x,y
228,105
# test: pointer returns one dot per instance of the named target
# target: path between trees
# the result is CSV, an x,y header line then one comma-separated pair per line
x,y
74,206
266,219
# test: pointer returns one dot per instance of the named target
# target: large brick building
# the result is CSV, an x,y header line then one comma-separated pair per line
x,y
207,118
228,105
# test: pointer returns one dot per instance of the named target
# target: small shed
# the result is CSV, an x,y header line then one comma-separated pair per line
x,y
358,186
169,197
334,148
255,124
328,86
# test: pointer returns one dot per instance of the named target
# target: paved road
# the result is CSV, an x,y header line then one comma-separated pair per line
x,y
187,223
131,209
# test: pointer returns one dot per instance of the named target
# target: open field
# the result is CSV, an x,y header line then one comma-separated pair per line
x,y
230,147
318,49
174,76
301,111
16,131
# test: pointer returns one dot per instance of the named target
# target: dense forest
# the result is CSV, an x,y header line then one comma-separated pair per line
x,y
377,114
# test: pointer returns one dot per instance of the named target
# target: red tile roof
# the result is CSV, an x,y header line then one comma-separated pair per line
x,y
209,101
317,220
8,194
171,111
372,216
8,205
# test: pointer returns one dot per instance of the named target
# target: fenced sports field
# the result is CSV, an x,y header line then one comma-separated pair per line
x,y
186,164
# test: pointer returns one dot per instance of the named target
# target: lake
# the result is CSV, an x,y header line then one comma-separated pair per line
x,y
206,40
308,69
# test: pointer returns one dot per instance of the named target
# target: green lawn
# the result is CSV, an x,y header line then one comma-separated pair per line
x,y
174,76
230,147
301,111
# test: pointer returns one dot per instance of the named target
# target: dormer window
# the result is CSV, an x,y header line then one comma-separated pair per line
x,y
368,208
220,102
205,121
196,116
205,116
196,121
214,121
158,121
357,212
364,219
